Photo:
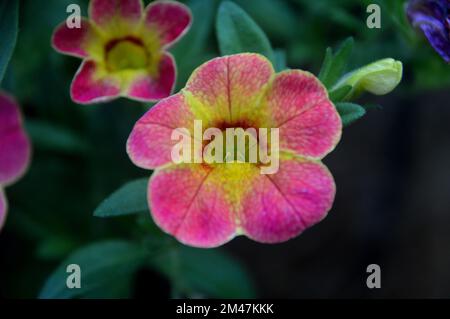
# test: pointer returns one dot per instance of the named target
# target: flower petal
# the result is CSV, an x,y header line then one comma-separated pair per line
x,y
3,208
147,88
91,84
116,17
14,143
185,202
308,121
169,19
79,42
207,206
231,87
282,205
150,144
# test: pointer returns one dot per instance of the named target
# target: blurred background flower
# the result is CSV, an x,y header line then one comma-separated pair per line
x,y
123,49
15,148
433,18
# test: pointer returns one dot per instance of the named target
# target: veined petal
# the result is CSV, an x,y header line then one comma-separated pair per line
x,y
79,42
308,121
186,203
14,143
150,143
3,208
147,87
205,207
231,87
116,17
92,84
282,205
169,19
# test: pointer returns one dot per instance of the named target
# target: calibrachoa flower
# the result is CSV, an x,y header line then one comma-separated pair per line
x,y
433,17
14,148
123,48
206,205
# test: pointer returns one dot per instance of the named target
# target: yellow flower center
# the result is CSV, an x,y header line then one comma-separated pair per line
x,y
126,54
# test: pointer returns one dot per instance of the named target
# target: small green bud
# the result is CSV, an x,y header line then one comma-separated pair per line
x,y
379,78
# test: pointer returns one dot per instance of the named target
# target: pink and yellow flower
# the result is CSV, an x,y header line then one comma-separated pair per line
x,y
14,148
206,205
123,48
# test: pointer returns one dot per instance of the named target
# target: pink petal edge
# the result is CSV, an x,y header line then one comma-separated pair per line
x,y
14,143
85,89
169,18
73,41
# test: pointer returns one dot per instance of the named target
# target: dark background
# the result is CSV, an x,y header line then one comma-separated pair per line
x,y
392,168
392,209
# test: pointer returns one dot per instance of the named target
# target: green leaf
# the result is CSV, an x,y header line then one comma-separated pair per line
x,y
129,199
192,49
334,65
54,247
350,112
195,41
279,11
50,137
326,65
103,265
204,272
280,63
237,32
339,94
396,11
9,23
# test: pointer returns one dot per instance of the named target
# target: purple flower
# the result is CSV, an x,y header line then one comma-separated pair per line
x,y
433,18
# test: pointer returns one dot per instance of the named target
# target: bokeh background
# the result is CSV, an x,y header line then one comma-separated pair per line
x,y
392,169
